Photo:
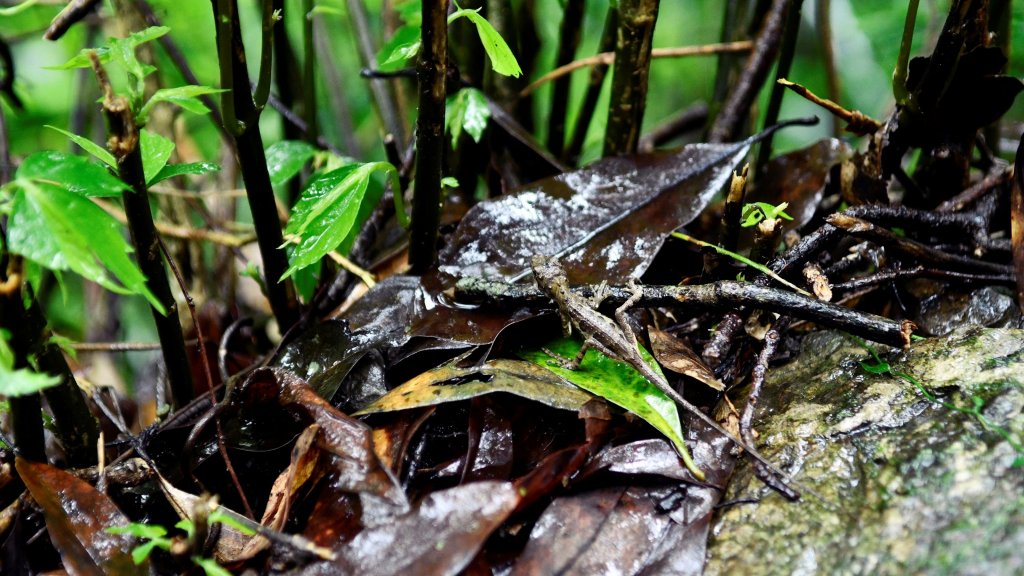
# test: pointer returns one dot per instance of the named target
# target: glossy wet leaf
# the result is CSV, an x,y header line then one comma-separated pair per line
x,y
77,516
175,170
286,158
97,151
440,536
156,151
617,382
327,210
607,220
451,384
75,174
467,110
61,230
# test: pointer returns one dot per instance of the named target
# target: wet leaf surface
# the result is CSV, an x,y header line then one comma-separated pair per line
x,y
607,220
439,536
77,516
450,384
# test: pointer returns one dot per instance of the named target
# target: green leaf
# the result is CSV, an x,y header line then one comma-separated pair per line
x,y
185,96
89,146
156,151
175,170
104,52
62,230
286,158
23,382
210,566
139,530
6,354
403,45
502,60
73,173
218,515
620,384
326,211
468,111
142,552
879,368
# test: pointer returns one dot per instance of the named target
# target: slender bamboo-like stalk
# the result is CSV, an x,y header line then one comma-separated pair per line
x,y
241,118
786,53
431,72
597,74
124,144
630,75
568,41
384,94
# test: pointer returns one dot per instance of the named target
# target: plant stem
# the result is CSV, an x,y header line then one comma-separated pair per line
x,y
736,109
124,144
431,73
790,33
630,75
242,120
597,74
568,41
384,93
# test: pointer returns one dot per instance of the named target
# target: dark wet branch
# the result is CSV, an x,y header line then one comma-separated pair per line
x,y
630,75
431,72
124,144
75,11
737,106
725,295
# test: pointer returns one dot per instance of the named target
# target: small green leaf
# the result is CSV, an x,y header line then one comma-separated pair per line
x,y
286,158
620,384
218,515
326,211
6,354
185,96
210,566
175,170
73,173
879,368
502,60
81,60
23,382
89,146
403,45
139,530
142,552
467,110
156,151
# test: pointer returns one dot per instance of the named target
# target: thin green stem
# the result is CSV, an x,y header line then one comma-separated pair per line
x,y
266,55
899,76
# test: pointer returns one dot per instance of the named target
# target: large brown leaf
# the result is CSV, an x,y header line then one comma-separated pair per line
x,y
77,516
608,219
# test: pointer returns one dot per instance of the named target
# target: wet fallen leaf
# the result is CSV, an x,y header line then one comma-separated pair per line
x,y
441,535
617,382
676,355
77,516
450,384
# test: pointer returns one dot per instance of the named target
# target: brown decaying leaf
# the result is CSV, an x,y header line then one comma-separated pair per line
x,y
608,220
675,354
441,535
77,516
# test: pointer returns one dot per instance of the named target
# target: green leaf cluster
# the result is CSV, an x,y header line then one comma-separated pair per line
x,y
405,43
755,212
54,224
155,536
121,52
